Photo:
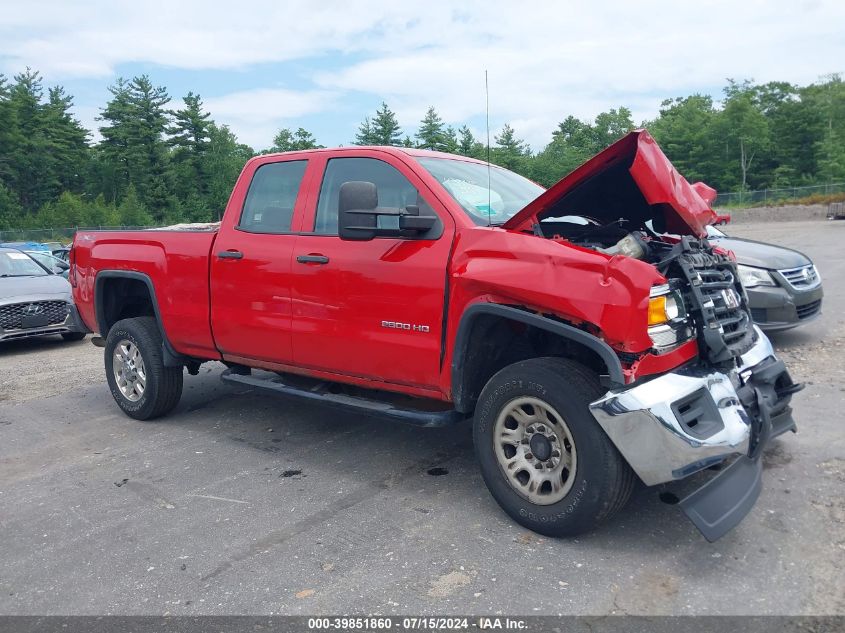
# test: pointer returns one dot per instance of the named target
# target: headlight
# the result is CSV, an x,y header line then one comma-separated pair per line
x,y
664,305
751,276
667,322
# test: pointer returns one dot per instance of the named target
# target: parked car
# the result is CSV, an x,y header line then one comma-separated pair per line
x,y
784,287
50,262
590,355
25,246
33,301
62,253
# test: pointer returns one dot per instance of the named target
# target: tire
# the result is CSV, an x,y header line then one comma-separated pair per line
x,y
140,338
73,336
592,480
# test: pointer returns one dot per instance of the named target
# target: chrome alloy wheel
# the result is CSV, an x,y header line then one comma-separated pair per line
x,y
129,372
535,450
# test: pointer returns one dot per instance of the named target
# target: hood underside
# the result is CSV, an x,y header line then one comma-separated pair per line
x,y
631,179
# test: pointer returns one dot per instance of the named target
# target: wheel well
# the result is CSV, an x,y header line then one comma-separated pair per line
x,y
122,298
493,342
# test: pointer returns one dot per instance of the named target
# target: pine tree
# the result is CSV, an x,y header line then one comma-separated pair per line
x,y
450,140
148,150
134,139
10,138
510,151
432,132
67,142
467,144
287,141
114,148
189,139
33,185
365,135
385,127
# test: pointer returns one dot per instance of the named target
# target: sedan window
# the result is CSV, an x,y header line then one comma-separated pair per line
x,y
17,264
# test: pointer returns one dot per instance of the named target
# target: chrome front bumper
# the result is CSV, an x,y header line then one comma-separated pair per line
x,y
679,423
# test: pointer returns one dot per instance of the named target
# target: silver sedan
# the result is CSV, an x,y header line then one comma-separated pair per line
x,y
34,301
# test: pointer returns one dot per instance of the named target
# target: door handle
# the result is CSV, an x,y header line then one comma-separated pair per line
x,y
312,259
230,255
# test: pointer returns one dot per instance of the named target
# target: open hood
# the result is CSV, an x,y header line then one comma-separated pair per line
x,y
631,179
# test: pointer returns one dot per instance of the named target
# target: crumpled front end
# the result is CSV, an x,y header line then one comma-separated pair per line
x,y
679,423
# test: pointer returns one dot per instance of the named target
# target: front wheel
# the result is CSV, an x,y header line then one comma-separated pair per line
x,y
543,456
141,385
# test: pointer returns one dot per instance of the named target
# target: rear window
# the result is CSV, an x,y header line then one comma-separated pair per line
x,y
269,203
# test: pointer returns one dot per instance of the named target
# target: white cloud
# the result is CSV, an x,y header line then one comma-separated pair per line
x,y
546,60
256,115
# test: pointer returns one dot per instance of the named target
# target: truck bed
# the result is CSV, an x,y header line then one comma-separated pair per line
x,y
176,263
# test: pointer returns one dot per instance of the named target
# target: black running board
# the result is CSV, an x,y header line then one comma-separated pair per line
x,y
319,392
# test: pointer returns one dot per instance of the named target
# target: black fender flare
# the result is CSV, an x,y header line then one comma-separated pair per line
x,y
170,356
602,349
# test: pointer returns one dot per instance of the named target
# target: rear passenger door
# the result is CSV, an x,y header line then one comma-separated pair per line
x,y
251,265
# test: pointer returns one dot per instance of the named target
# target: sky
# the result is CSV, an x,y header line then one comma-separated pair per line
x,y
325,65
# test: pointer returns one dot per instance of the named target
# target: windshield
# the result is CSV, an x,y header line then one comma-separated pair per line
x,y
468,184
16,264
46,259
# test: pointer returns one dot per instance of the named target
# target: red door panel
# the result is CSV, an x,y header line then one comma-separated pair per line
x,y
372,309
251,264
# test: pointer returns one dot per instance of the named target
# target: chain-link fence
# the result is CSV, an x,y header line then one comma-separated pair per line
x,y
56,235
764,196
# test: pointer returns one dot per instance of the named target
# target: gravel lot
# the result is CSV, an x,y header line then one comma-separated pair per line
x,y
243,503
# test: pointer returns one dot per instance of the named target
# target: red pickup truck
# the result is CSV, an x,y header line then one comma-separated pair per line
x,y
589,330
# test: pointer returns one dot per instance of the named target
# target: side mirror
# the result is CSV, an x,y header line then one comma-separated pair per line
x,y
358,215
357,205
410,221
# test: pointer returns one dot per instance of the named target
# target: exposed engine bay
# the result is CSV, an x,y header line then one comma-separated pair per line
x,y
620,237
704,279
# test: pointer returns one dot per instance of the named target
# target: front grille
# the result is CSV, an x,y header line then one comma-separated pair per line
x,y
717,303
11,316
802,278
809,309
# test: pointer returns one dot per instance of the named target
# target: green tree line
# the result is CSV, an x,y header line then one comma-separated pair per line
x,y
154,164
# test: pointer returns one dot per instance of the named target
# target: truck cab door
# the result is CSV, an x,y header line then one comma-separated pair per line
x,y
370,309
250,268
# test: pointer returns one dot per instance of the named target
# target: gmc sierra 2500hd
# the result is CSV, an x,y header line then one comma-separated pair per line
x,y
590,330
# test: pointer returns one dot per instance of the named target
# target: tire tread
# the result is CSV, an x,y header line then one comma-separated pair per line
x,y
168,387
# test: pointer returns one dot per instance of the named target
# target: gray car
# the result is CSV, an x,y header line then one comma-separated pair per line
x,y
784,288
34,301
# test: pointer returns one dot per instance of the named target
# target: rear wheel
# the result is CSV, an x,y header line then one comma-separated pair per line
x,y
544,458
141,385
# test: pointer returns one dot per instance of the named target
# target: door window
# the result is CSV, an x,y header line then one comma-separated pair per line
x,y
269,203
394,190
